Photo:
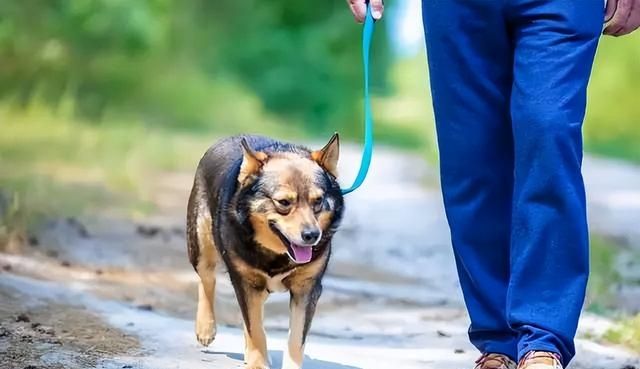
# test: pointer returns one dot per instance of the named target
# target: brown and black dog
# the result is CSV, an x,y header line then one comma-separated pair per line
x,y
268,210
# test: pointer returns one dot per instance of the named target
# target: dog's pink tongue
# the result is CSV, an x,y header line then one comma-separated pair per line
x,y
301,254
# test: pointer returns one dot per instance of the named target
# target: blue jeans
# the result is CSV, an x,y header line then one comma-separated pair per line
x,y
509,80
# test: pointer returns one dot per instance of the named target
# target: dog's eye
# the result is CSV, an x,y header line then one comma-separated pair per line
x,y
318,204
284,203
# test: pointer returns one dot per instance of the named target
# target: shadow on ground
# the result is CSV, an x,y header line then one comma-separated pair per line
x,y
276,357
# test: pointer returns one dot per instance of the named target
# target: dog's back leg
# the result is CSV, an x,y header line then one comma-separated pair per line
x,y
204,257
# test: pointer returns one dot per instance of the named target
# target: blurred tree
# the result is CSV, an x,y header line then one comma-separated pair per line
x,y
88,50
171,60
302,58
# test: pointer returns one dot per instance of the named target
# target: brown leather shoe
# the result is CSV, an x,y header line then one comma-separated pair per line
x,y
494,361
540,360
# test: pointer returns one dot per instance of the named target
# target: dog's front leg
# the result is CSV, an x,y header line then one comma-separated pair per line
x,y
252,304
302,306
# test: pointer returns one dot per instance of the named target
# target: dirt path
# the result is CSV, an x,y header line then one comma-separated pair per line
x,y
114,292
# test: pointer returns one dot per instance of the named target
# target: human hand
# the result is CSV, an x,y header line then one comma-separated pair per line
x,y
359,9
622,17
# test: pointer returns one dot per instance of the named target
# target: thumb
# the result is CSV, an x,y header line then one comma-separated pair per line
x,y
377,8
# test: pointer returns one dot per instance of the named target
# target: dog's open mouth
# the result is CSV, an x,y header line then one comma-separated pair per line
x,y
299,254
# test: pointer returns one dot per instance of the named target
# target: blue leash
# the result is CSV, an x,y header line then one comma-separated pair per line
x,y
367,34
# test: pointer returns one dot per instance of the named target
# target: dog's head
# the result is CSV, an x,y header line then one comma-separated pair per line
x,y
291,198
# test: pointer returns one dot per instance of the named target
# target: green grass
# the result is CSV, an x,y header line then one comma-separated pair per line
x,y
62,166
626,332
601,300
603,276
117,147
59,166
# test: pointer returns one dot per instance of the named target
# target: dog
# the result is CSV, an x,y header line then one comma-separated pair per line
x,y
268,210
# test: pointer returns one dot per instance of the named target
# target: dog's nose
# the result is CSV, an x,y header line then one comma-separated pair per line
x,y
310,236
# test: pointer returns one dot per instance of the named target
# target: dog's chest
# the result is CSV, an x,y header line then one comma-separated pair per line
x,y
275,284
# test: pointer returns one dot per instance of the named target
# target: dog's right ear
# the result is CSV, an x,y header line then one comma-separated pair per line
x,y
328,156
252,162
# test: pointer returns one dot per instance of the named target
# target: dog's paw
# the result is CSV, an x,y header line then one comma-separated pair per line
x,y
206,333
256,364
205,340
290,365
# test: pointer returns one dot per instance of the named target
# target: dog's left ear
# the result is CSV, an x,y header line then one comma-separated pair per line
x,y
328,156
252,162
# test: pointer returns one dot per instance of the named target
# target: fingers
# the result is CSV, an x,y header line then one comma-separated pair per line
x,y
618,17
633,22
359,9
612,6
625,17
377,8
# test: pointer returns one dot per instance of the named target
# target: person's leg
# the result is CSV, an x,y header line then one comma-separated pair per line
x,y
555,43
470,62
